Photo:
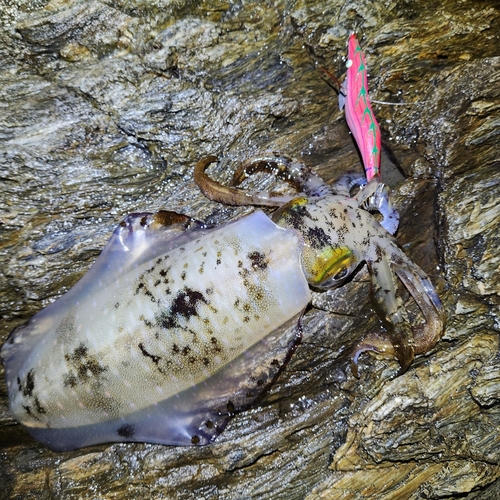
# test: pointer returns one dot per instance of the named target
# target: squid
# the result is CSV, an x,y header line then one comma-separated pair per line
x,y
179,325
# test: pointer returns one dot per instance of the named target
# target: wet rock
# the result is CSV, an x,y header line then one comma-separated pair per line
x,y
105,110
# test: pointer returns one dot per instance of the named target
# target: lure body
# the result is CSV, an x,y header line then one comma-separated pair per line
x,y
358,110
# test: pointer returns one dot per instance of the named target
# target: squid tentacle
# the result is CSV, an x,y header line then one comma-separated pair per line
x,y
287,169
385,295
376,196
373,196
418,284
401,340
347,183
292,171
230,195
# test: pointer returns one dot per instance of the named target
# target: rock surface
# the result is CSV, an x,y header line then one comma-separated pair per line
x,y
106,106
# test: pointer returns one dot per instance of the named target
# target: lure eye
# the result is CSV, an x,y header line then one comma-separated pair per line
x,y
331,266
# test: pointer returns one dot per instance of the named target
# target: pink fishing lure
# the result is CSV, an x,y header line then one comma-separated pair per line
x,y
358,111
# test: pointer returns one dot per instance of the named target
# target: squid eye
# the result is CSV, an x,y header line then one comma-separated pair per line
x,y
337,279
341,274
330,267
